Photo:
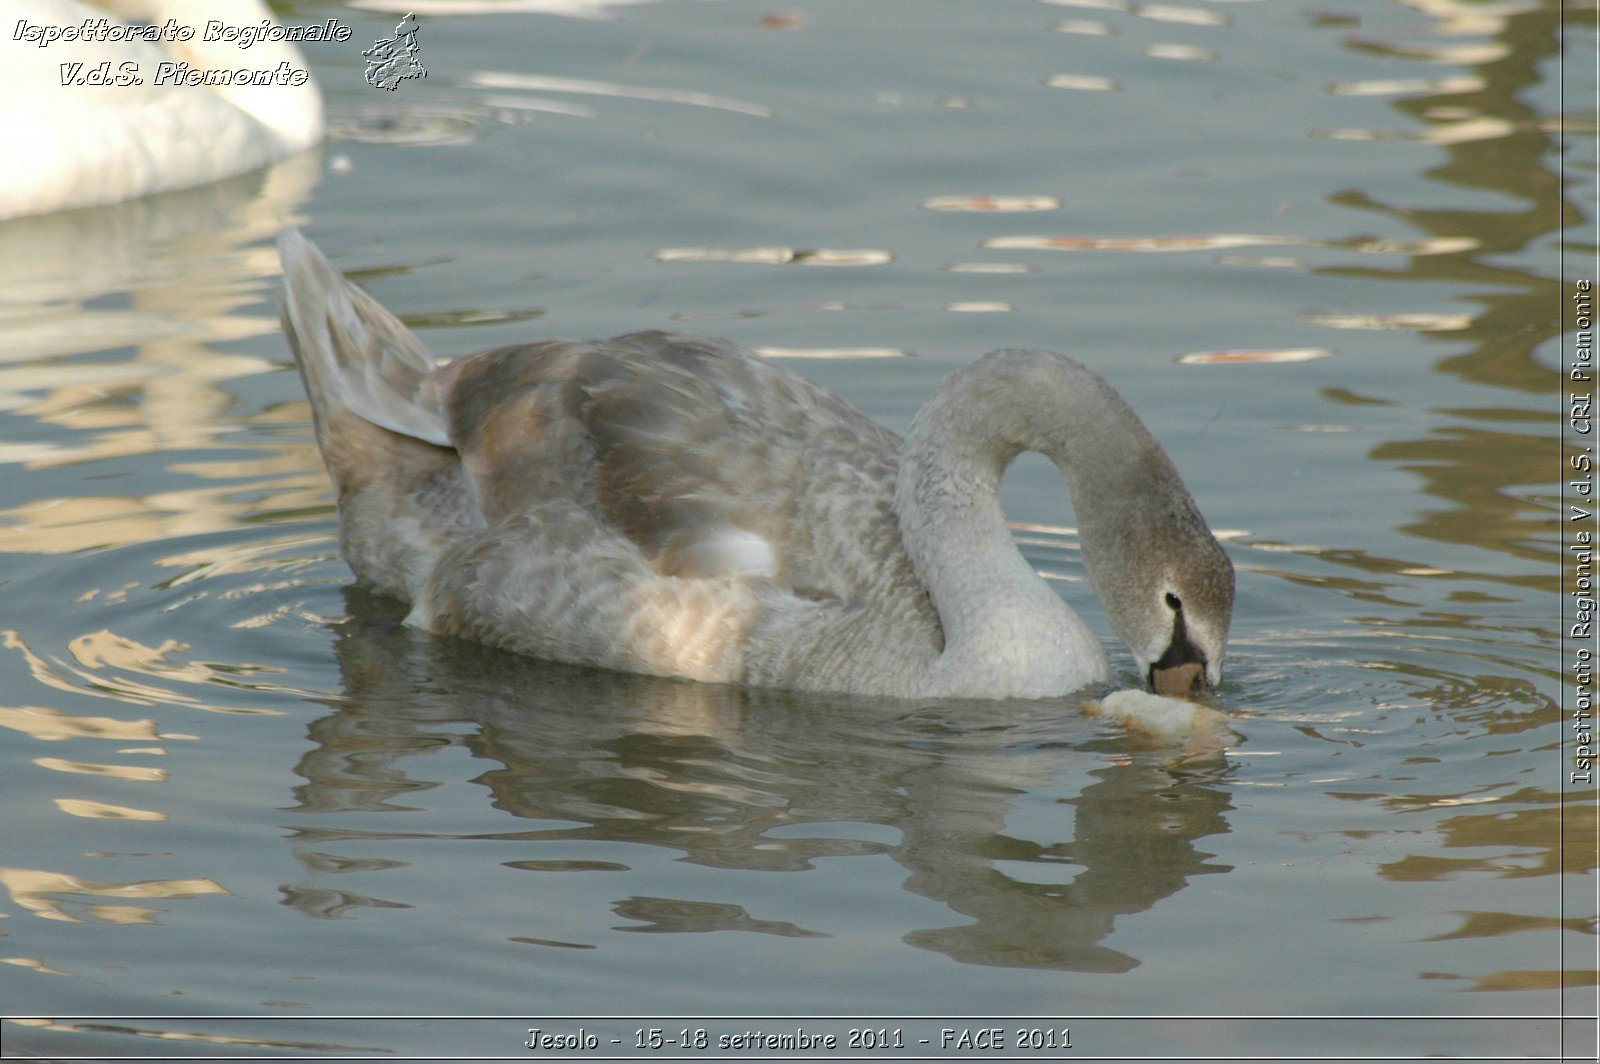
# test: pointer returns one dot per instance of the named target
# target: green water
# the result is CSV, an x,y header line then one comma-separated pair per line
x,y
233,785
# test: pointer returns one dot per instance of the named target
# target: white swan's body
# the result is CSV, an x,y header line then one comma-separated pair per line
x,y
670,505
79,145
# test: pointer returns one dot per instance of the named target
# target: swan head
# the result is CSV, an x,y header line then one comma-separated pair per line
x,y
1172,605
1165,582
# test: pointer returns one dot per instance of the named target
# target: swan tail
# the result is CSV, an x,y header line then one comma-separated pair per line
x,y
403,497
353,354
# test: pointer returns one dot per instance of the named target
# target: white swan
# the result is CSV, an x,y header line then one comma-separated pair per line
x,y
79,145
671,505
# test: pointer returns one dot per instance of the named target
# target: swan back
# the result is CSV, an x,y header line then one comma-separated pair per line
x,y
712,462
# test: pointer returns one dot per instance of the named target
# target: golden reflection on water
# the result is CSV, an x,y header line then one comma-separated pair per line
x,y
89,768
37,890
1540,979
1492,925
1483,469
1478,469
35,964
59,275
1520,309
1527,842
93,810
54,725
108,663
1492,140
89,522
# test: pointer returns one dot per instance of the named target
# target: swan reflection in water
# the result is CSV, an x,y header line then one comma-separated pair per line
x,y
730,778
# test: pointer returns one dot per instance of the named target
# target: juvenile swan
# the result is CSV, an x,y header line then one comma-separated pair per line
x,y
670,505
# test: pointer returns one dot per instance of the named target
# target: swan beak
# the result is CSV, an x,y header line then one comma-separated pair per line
x,y
1178,681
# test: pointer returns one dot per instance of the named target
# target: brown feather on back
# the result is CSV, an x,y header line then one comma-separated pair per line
x,y
684,445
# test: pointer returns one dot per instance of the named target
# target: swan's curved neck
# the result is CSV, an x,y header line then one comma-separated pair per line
x,y
996,612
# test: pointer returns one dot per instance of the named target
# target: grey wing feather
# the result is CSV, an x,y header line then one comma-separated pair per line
x,y
712,461
354,353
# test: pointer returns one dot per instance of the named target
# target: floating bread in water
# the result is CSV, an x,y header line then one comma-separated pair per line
x,y
1163,718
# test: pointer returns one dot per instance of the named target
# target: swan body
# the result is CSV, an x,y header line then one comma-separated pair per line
x,y
82,143
670,505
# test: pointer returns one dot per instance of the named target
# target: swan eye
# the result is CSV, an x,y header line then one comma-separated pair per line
x,y
1174,601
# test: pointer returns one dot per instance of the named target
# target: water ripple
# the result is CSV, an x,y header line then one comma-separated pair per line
x,y
1186,16
1217,241
1462,131
93,810
990,267
107,665
1411,322
1285,354
540,105
31,889
1082,82
1182,52
1084,27
979,306
414,125
53,725
992,203
496,79
1408,86
139,773
832,352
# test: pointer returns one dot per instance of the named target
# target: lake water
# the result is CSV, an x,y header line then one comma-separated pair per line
x,y
1316,243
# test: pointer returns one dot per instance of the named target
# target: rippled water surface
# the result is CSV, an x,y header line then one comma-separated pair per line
x,y
1317,245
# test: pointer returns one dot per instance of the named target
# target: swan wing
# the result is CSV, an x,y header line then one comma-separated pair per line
x,y
713,462
704,460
